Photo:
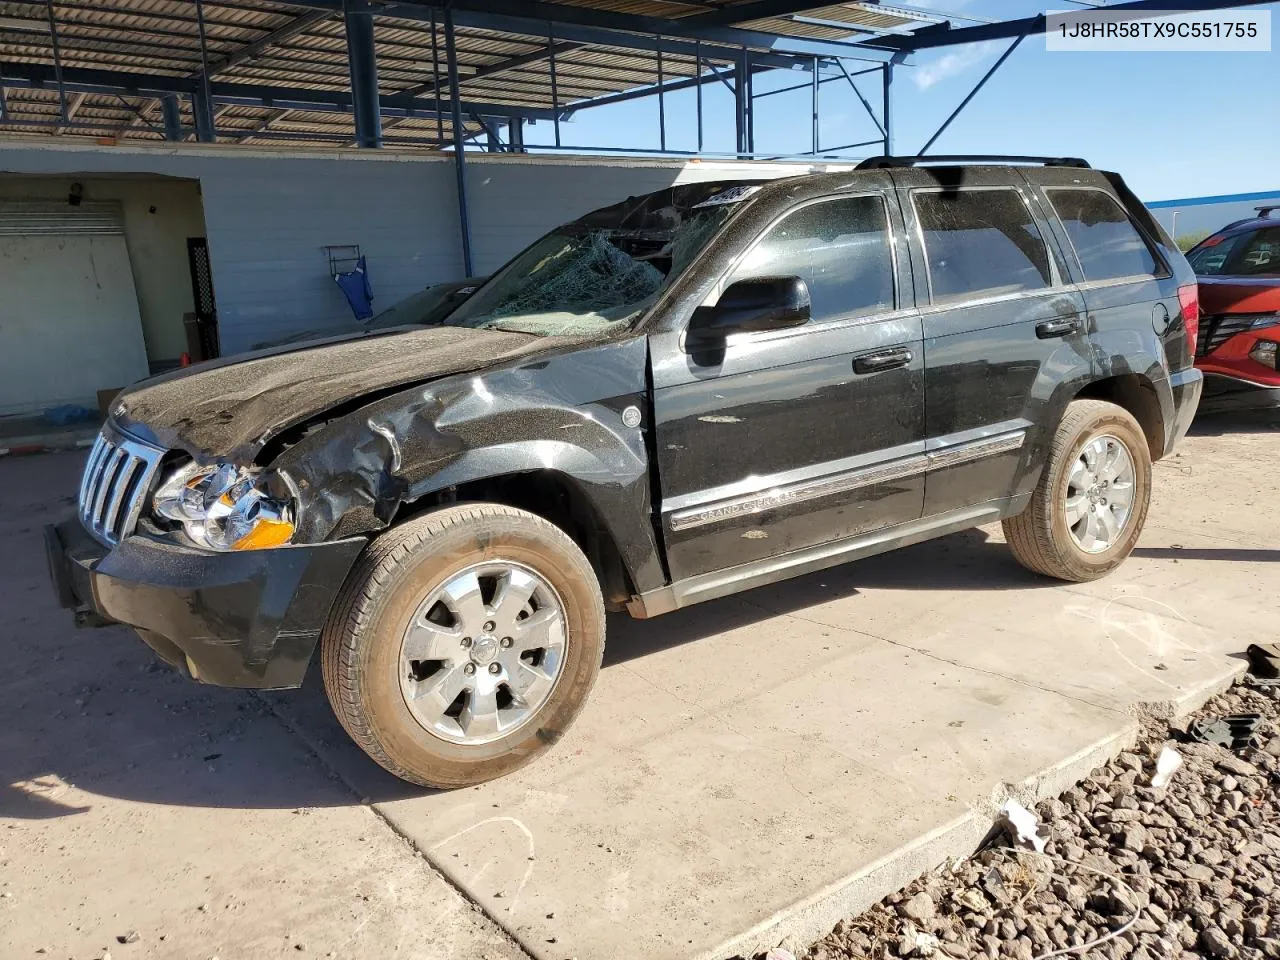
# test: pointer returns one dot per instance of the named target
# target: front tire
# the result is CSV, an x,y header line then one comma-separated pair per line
x,y
463,644
1090,505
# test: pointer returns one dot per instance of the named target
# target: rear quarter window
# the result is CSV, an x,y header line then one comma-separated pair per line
x,y
1107,243
980,243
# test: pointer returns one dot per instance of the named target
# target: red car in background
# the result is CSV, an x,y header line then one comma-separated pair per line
x,y
1239,273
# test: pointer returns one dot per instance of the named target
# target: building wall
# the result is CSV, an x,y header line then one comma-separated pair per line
x,y
516,199
159,216
269,213
1201,215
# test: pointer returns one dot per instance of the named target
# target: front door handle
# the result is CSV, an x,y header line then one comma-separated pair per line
x,y
1062,327
882,360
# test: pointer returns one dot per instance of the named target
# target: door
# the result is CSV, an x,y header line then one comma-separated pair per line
x,y
784,439
69,320
1129,290
1003,328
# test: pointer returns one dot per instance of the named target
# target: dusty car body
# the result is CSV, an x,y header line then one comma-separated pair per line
x,y
679,397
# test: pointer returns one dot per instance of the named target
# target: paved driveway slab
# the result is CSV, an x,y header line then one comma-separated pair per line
x,y
747,771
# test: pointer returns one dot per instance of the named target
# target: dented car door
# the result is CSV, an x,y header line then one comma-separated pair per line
x,y
771,441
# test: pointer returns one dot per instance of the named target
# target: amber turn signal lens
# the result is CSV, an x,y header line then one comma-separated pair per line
x,y
266,533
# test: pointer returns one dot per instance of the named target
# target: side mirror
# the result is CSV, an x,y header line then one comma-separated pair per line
x,y
762,303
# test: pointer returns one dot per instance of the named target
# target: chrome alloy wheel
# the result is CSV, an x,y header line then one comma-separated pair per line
x,y
1100,491
483,652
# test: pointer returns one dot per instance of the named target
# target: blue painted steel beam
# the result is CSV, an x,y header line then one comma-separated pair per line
x,y
886,111
742,105
863,100
459,140
671,86
503,66
171,111
362,66
972,93
202,110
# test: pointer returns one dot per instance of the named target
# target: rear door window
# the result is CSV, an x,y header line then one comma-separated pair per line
x,y
1255,254
980,243
1106,241
839,247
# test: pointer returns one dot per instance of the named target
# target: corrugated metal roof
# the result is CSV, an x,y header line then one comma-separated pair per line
x,y
270,44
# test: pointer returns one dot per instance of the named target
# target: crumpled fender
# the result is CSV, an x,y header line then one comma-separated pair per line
x,y
560,413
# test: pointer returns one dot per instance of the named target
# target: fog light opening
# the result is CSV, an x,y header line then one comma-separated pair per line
x,y
1264,352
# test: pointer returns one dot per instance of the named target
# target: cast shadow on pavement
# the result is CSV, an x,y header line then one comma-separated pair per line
x,y
105,719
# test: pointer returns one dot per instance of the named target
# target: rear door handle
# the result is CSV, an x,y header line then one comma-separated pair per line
x,y
1062,327
882,360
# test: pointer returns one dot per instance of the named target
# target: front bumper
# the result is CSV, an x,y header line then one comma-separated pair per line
x,y
1186,386
246,619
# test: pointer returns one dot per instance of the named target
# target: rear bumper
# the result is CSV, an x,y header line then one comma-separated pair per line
x,y
1186,387
249,619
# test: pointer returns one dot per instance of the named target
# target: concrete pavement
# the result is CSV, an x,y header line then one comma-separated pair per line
x,y
747,771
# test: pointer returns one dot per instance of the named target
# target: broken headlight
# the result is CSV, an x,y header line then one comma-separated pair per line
x,y
224,507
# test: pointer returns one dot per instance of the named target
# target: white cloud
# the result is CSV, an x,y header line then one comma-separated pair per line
x,y
952,64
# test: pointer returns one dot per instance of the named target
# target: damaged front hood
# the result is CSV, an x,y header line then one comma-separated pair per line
x,y
229,408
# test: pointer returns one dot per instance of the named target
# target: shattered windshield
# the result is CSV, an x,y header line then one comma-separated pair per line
x,y
602,271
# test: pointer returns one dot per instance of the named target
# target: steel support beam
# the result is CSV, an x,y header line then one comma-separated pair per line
x,y
972,93
570,26
73,107
251,51
201,99
814,95
863,100
492,139
92,80
697,69
555,88
690,28
757,10
515,135
202,111
362,65
886,110
171,112
459,138
504,66
742,103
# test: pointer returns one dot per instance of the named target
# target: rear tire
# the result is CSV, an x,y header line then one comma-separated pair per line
x,y
391,667
1090,505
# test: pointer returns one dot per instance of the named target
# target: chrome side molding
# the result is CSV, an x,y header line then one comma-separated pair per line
x,y
781,496
798,492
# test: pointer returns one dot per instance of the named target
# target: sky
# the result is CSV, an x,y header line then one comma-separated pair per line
x,y
1173,124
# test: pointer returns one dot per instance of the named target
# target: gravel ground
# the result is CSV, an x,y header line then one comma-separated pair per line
x,y
1183,871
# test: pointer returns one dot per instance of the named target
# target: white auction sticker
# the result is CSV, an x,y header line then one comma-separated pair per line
x,y
1173,31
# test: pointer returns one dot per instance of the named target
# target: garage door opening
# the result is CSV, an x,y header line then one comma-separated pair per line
x,y
98,280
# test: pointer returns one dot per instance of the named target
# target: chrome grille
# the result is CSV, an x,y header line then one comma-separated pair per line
x,y
115,485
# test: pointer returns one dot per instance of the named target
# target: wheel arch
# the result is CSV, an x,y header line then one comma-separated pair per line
x,y
556,497
1136,394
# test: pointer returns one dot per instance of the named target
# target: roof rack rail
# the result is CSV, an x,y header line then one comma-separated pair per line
x,y
880,163
1265,211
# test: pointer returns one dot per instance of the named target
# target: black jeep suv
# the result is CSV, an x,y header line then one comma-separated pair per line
x,y
693,392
